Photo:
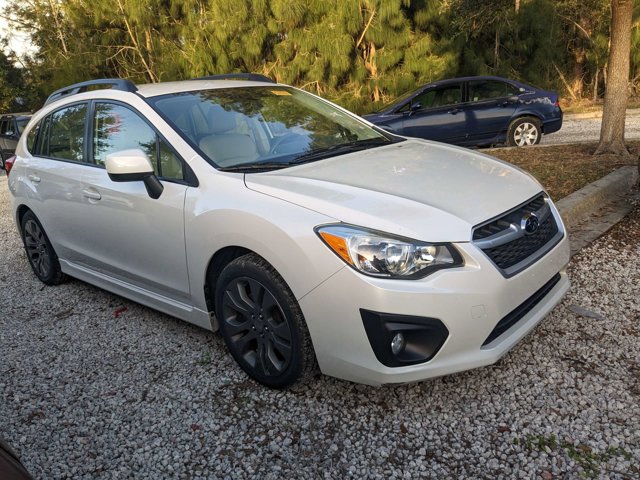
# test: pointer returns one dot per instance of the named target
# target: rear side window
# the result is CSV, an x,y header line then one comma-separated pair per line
x,y
4,124
487,89
66,134
117,128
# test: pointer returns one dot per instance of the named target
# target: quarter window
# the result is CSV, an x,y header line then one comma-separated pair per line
x,y
66,133
117,128
31,138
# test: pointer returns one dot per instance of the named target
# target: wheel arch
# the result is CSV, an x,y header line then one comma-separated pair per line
x,y
527,114
20,212
217,262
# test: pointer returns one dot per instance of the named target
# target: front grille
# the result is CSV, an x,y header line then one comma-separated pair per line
x,y
506,243
499,224
512,318
514,252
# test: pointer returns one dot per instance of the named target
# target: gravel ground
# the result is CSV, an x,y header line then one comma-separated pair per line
x,y
94,386
575,129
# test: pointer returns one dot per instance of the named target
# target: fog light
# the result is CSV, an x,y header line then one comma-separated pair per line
x,y
398,343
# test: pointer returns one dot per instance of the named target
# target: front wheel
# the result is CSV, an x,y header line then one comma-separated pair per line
x,y
262,324
524,131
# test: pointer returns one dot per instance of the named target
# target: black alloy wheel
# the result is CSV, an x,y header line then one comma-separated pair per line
x,y
262,324
42,257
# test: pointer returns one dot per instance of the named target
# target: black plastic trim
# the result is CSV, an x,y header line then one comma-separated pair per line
x,y
424,336
251,77
516,315
115,83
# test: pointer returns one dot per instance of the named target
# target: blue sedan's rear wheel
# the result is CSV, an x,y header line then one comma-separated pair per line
x,y
524,131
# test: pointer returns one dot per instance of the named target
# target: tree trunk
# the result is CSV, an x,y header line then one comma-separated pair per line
x,y
595,84
617,88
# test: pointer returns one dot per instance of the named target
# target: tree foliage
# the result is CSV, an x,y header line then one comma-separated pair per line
x,y
360,53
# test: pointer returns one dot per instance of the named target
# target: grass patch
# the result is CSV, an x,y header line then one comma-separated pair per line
x,y
563,169
583,455
583,105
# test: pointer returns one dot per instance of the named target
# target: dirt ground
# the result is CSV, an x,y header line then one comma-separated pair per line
x,y
563,169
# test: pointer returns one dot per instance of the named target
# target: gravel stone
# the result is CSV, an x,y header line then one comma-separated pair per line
x,y
88,393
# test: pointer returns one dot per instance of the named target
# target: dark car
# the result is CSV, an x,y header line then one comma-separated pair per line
x,y
11,126
11,468
474,111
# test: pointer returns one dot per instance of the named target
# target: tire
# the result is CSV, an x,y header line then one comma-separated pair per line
x,y
524,131
1,161
42,257
262,324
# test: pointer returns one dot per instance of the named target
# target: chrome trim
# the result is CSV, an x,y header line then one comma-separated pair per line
x,y
513,232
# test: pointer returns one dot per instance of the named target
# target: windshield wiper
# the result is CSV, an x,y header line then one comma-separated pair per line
x,y
340,149
255,166
311,156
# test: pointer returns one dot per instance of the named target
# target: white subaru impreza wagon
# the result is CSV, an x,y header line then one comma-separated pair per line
x,y
305,234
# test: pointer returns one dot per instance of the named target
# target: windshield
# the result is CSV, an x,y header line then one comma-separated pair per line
x,y
21,123
264,127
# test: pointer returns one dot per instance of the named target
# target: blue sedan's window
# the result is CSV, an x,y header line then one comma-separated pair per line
x,y
487,89
439,97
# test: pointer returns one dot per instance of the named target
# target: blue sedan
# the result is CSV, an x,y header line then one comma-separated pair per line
x,y
474,111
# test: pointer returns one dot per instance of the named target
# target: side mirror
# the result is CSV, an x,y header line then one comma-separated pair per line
x,y
133,166
9,133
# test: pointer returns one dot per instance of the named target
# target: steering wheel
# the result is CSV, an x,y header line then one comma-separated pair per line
x,y
288,138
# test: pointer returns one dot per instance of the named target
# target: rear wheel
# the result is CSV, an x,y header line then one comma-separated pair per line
x,y
524,131
262,324
1,160
42,257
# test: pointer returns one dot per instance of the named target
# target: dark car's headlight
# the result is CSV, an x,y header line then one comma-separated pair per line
x,y
385,255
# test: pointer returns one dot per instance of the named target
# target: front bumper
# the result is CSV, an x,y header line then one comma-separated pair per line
x,y
470,301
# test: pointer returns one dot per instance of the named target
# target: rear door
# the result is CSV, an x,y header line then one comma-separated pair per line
x,y
491,105
436,114
53,176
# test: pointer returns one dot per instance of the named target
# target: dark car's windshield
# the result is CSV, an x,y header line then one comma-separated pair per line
x,y
264,127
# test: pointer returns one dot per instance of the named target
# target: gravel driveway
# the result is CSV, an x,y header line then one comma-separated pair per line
x,y
576,129
94,386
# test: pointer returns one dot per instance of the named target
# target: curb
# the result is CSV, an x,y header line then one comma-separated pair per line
x,y
577,206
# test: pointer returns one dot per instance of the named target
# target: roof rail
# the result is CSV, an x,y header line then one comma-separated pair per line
x,y
251,77
116,84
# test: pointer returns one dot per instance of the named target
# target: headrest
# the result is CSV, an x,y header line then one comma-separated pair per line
x,y
220,120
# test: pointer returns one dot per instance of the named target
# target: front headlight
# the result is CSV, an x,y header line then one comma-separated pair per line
x,y
383,255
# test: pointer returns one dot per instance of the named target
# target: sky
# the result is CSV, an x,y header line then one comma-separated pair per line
x,y
18,41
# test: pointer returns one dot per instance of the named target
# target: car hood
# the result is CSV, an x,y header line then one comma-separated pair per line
x,y
416,188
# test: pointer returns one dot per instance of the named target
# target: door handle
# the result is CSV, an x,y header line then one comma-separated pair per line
x,y
454,111
91,194
33,178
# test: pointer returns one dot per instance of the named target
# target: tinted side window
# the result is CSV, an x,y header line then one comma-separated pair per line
x,y
487,89
31,138
117,128
3,126
439,97
66,133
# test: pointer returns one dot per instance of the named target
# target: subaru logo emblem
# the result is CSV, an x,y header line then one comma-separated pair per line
x,y
530,223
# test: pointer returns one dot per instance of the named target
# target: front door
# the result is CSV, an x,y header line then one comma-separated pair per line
x,y
132,236
437,114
